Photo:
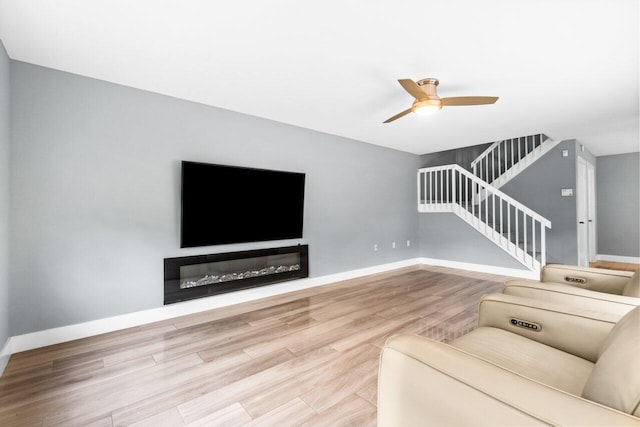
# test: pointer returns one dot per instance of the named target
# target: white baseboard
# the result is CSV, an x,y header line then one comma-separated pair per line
x,y
95,327
481,268
61,334
618,258
5,354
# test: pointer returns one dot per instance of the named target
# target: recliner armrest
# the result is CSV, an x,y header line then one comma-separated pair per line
x,y
424,382
571,296
596,279
575,331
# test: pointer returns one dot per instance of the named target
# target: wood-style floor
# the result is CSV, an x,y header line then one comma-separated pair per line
x,y
305,358
612,265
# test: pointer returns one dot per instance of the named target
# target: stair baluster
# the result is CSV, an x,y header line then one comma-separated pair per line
x,y
453,189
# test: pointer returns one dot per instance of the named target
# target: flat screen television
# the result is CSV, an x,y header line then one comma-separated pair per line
x,y
230,204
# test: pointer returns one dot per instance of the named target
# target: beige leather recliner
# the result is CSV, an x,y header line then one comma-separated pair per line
x,y
588,288
529,362
614,282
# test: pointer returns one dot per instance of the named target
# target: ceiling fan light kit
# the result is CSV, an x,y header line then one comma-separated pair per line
x,y
427,100
426,106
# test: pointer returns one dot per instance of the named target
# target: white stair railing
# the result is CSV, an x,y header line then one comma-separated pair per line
x,y
503,155
515,228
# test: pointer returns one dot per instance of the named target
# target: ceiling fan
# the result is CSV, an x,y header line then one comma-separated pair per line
x,y
428,101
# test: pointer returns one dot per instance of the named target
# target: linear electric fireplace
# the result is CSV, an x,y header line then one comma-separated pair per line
x,y
199,276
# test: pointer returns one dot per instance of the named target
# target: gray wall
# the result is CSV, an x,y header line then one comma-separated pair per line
x,y
445,236
4,195
95,193
539,187
460,156
618,204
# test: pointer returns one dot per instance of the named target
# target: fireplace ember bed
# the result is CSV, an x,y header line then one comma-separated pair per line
x,y
198,276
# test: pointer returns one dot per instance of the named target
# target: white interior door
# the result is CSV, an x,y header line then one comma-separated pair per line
x,y
582,213
591,211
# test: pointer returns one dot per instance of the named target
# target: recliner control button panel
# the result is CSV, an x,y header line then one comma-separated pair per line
x,y
525,324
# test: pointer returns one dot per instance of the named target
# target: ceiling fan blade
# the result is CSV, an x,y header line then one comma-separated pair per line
x,y
397,116
469,100
413,88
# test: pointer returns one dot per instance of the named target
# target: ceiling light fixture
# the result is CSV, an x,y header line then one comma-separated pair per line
x,y
427,100
426,106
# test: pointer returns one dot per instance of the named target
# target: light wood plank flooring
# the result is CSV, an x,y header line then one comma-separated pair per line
x,y
305,358
612,265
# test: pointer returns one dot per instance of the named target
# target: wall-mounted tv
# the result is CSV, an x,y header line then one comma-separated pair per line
x,y
230,204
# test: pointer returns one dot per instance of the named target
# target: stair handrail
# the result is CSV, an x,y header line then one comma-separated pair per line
x,y
541,219
487,151
493,146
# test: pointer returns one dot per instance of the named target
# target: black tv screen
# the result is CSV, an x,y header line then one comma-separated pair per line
x,y
229,204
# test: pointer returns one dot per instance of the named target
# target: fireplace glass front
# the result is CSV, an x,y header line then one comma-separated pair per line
x,y
198,276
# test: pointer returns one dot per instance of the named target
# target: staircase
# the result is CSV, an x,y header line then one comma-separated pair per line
x,y
516,229
505,159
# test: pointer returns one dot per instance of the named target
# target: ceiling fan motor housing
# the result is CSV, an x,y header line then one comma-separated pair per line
x,y
429,87
428,81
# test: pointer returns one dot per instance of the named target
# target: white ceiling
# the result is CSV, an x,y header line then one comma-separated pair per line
x,y
567,68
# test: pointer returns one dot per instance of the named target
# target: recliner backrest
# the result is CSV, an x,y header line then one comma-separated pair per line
x,y
632,288
615,379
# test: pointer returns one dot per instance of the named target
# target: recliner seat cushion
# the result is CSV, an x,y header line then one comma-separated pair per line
x,y
529,358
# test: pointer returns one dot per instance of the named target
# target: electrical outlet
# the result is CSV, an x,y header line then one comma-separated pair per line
x,y
375,248
408,243
393,245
